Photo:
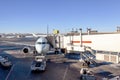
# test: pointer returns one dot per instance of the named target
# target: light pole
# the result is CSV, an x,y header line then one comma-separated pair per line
x,y
80,37
81,44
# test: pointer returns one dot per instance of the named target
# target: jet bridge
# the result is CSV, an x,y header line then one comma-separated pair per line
x,y
51,40
54,42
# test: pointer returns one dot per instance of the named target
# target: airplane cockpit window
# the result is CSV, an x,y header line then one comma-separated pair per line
x,y
41,42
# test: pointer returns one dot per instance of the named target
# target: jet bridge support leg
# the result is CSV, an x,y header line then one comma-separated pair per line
x,y
81,57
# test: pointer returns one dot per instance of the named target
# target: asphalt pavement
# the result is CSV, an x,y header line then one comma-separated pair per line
x,y
59,66
20,70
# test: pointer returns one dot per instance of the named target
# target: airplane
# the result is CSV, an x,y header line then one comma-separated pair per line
x,y
41,46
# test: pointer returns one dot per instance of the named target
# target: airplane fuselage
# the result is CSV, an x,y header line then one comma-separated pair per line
x,y
42,46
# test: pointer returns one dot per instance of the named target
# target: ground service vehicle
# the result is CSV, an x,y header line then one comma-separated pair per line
x,y
39,64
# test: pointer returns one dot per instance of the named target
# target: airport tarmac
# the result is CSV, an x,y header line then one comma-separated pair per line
x,y
57,69
21,69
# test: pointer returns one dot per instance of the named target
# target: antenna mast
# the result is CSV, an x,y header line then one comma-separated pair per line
x,y
47,30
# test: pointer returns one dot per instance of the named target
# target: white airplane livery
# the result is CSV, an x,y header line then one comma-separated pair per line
x,y
41,46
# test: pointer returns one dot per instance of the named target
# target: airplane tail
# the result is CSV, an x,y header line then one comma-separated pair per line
x,y
39,35
34,35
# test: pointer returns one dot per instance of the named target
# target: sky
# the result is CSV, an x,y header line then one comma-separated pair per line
x,y
33,16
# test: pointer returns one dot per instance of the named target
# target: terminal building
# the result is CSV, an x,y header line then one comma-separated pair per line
x,y
105,45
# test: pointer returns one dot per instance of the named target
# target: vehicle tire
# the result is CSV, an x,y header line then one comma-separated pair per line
x,y
43,70
32,71
81,77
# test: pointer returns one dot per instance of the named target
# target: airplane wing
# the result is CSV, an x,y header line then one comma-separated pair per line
x,y
16,43
10,48
27,47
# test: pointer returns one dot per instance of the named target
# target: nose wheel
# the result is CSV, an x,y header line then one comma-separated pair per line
x,y
34,51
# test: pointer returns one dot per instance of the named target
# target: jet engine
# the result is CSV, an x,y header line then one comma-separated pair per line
x,y
26,50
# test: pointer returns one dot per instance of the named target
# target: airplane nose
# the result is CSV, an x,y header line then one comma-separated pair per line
x,y
39,48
